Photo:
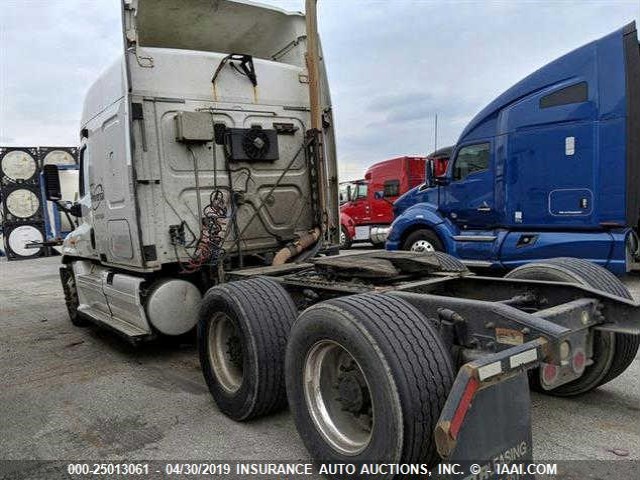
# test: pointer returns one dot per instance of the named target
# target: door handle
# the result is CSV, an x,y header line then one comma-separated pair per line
x,y
484,208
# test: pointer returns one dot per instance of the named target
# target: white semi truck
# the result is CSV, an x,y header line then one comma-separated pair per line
x,y
209,197
192,155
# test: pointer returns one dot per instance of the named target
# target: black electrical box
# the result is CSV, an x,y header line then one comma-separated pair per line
x,y
253,144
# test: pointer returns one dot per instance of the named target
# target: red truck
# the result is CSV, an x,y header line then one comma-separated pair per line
x,y
366,210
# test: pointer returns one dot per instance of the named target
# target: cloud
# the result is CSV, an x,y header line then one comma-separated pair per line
x,y
50,52
392,65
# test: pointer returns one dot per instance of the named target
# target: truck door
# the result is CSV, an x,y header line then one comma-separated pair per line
x,y
111,187
383,207
551,170
469,198
360,209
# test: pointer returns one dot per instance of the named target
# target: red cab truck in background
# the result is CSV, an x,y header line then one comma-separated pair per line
x,y
366,209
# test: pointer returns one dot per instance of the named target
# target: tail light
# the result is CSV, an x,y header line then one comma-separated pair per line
x,y
578,361
549,373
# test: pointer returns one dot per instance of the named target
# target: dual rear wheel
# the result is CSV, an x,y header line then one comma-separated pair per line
x,y
242,337
351,369
354,369
612,352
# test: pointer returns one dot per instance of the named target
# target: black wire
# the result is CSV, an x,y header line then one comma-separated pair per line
x,y
273,187
234,210
197,179
70,220
209,249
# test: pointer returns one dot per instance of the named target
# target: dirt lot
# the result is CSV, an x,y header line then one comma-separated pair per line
x,y
84,393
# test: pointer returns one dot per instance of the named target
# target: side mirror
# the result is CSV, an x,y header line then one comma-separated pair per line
x,y
53,192
348,193
52,183
430,173
76,210
378,195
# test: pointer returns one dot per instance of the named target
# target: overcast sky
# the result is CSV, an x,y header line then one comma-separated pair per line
x,y
392,64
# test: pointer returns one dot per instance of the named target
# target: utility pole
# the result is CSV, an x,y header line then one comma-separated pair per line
x,y
435,140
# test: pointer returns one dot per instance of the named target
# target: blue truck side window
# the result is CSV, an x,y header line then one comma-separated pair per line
x,y
577,93
470,159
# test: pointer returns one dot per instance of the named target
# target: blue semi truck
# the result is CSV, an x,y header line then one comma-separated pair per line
x,y
550,168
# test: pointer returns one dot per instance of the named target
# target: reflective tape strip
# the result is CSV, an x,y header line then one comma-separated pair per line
x,y
524,357
465,402
489,371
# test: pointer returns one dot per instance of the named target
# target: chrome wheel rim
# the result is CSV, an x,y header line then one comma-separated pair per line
x,y
422,246
338,397
343,238
225,352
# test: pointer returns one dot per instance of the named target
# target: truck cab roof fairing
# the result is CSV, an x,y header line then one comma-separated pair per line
x,y
107,89
577,64
216,26
207,25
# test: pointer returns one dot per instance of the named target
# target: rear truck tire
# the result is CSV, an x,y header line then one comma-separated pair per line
x,y
68,280
450,263
367,377
345,239
625,346
423,240
613,352
242,336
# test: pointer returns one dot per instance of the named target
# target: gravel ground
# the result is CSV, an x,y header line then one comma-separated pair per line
x,y
84,393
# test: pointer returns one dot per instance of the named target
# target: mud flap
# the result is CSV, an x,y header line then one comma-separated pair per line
x,y
485,426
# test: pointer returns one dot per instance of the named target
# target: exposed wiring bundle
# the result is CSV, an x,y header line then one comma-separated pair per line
x,y
212,234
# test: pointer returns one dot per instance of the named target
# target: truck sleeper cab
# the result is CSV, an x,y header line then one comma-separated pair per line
x,y
550,168
197,156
